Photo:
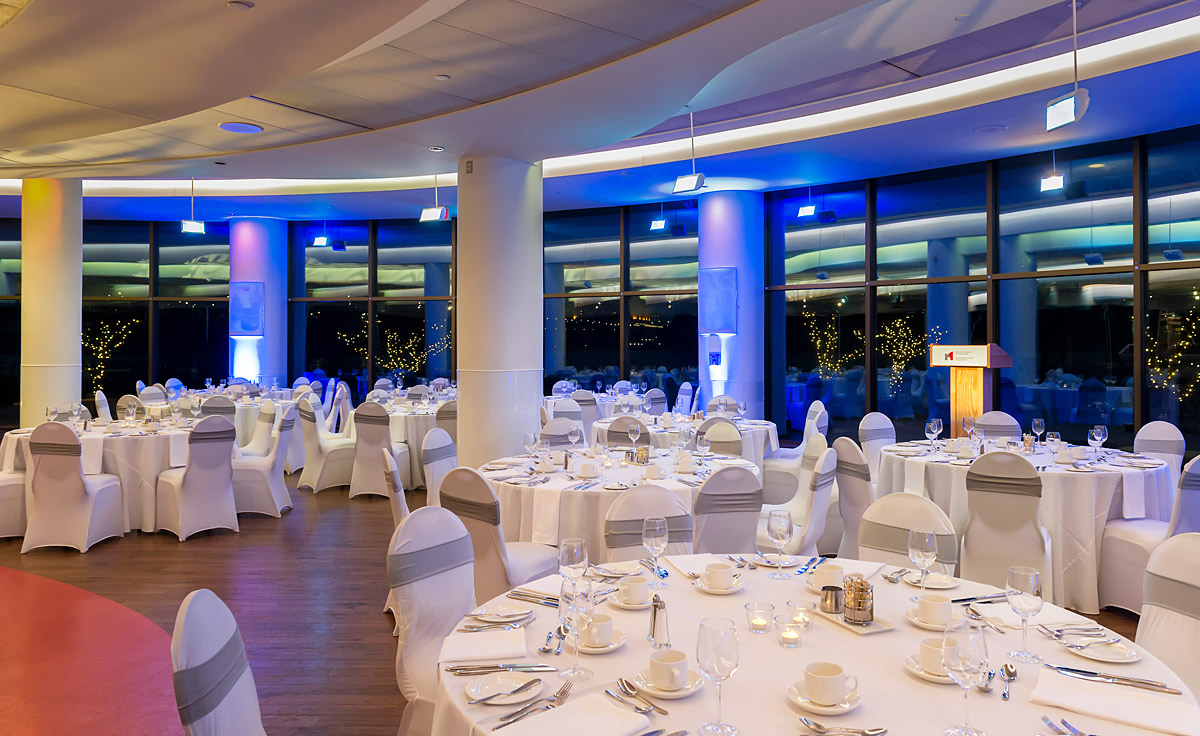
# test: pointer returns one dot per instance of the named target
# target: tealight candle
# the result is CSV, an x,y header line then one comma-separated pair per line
x,y
789,631
801,612
759,616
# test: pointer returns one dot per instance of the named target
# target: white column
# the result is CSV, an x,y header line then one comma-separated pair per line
x,y
499,305
51,295
258,248
732,236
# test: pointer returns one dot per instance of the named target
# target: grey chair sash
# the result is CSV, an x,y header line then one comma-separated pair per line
x,y
573,414
729,503
726,447
895,539
823,424
368,419
200,689
54,448
447,413
998,430
405,568
878,433
820,480
266,416
656,402
588,401
1173,595
221,435
628,532
434,454
556,440
1189,481
1166,447
621,437
486,511
218,411
1003,484
854,470
306,414
808,462
287,424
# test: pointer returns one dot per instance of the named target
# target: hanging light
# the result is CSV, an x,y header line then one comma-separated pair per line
x,y
807,210
694,181
322,240
435,213
1069,108
192,225
661,222
1055,181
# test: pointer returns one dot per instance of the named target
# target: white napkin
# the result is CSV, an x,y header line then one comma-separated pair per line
x,y
1140,708
592,715
692,563
492,646
91,452
177,448
549,585
1003,615
546,501
1133,485
914,475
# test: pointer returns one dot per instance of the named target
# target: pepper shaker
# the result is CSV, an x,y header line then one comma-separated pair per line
x,y
659,636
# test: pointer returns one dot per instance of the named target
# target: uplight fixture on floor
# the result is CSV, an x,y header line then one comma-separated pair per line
x,y
192,225
694,181
1069,108
435,213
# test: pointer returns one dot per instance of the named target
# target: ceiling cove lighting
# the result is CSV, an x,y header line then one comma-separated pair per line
x,y
435,213
1069,108
694,181
192,225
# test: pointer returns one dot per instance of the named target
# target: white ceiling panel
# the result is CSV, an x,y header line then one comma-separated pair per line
x,y
420,71
46,118
333,103
407,97
647,21
448,43
949,54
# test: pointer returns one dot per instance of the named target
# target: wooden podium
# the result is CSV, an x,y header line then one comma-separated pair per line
x,y
971,376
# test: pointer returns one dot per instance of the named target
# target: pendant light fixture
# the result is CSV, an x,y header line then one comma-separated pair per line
x,y
660,223
322,240
435,213
1070,107
1053,182
192,225
694,181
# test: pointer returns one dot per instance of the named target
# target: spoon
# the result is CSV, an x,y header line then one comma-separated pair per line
x,y
841,729
630,689
524,686
561,632
1008,673
986,685
547,648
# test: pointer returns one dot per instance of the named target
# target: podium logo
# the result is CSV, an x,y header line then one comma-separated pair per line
x,y
950,355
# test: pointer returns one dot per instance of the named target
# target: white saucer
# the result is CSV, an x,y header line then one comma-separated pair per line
x,y
694,683
913,665
933,581
1117,653
581,476
774,560
795,693
615,601
911,615
495,466
502,682
1074,469
962,462
703,587
616,487
907,453
906,444
499,613
618,641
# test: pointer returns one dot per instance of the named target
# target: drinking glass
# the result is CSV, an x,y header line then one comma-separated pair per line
x,y
979,440
717,659
1095,441
1102,433
529,440
51,413
937,429
703,443
965,655
645,387
576,605
779,529
572,558
922,550
647,405
176,412
654,539
722,406
930,433
741,408
574,434
1039,428
968,424
1053,441
635,433
608,388
195,409
76,410
1024,593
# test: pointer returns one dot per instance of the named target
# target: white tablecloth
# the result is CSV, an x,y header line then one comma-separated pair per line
x,y
605,405
759,438
1074,508
755,698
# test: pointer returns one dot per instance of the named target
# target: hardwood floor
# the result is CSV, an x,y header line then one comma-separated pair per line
x,y
307,591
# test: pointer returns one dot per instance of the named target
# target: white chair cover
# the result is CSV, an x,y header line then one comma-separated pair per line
x,y
568,409
1170,623
264,427
438,457
622,387
554,434
999,425
658,401
160,387
300,391
139,386
301,381
499,567
103,412
683,400
431,572
417,393
258,482
218,406
817,419
631,400
214,688
783,477
586,401
618,432
809,507
1004,492
339,416
384,384
379,396
130,400
883,531
854,490
328,461
623,523
326,397
67,508
1164,441
440,382
715,404
875,432
447,418
395,486
174,384
199,495
544,415
12,504
724,438
561,388
726,512
372,433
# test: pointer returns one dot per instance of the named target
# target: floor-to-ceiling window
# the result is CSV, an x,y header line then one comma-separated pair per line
x,y
116,327
10,321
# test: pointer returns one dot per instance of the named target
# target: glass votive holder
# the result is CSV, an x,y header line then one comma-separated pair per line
x,y
802,613
759,616
789,631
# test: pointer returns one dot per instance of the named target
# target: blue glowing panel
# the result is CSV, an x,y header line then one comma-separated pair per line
x,y
718,301
246,315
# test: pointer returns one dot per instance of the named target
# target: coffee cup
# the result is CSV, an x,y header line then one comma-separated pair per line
x,y
668,669
545,465
599,633
588,470
828,574
719,576
685,463
933,609
153,425
654,472
559,457
827,683
1079,453
634,589
932,658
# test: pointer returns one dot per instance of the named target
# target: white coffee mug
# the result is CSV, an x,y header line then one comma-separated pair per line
x,y
828,574
588,470
686,463
634,589
654,472
719,576
827,683
668,669
1079,453
932,659
933,609
599,633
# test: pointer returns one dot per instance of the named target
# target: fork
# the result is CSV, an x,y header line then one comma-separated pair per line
x,y
1072,729
553,701
752,565
732,559
1081,633
1053,726
894,576
1077,647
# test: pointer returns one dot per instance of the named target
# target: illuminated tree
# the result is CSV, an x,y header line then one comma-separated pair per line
x,y
826,339
1165,355
396,353
102,343
901,345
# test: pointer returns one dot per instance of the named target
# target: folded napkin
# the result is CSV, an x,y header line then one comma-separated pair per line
x,y
691,563
91,453
1133,485
549,585
491,646
591,715
177,448
1139,708
914,475
1003,615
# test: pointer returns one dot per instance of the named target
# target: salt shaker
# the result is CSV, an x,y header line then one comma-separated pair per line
x,y
659,636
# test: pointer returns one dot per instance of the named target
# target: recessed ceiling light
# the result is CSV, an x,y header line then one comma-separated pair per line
x,y
442,77
219,163
1095,166
961,18
239,4
244,128
436,149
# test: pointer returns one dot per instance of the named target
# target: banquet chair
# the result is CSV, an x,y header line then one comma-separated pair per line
x,y
618,432
65,507
440,383
1163,441
131,400
543,415
998,425
328,460
327,390
1128,544
854,491
622,387
218,406
431,573
816,421
554,434
300,391
339,416
1092,403
724,438
378,396
395,487
372,433
64,414
623,522
258,482
586,401
264,426
714,404
173,384
726,512
12,504
809,507
384,384
446,417
875,432
499,566
568,409
1170,624
783,477
417,393
139,386
711,422
214,688
1004,492
630,400
103,412
200,495
883,531
658,401
438,457
683,400
301,381
561,388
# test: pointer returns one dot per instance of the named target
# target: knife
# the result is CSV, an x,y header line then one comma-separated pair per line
x,y
489,669
978,598
532,599
1105,674
1115,680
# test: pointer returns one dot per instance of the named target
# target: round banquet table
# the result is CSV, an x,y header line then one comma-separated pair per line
x,y
760,438
606,406
755,698
1074,506
548,512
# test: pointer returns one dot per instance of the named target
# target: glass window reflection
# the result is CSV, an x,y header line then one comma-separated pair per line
x,y
335,257
932,224
826,338
192,264
663,344
116,259
413,258
582,251
663,246
824,233
582,340
412,340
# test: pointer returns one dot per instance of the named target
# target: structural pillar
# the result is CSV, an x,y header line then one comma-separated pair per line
x,y
731,237
51,295
258,249
1019,311
499,305
437,321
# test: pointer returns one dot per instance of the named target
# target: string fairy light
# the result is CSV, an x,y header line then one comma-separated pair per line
x,y
103,344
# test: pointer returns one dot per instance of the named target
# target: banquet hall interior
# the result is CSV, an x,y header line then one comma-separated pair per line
x,y
604,367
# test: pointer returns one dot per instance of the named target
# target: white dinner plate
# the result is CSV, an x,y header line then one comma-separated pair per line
x,y
616,487
963,463
615,601
500,613
703,587
618,641
495,466
908,453
773,559
796,694
503,682
934,581
913,665
694,683
1074,469
915,620
1118,653
906,444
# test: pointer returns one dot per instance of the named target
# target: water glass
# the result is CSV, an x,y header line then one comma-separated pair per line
x,y
937,428
654,538
965,656
1039,428
968,424
1053,441
51,413
529,440
922,550
572,558
930,433
1024,593
703,443
635,433
779,529
574,434
1095,440
576,606
717,659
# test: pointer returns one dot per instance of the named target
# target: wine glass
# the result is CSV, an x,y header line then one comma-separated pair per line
x,y
937,430
654,539
51,413
574,434
1053,441
635,433
1095,440
965,655
968,424
645,387
195,409
576,605
572,558
529,440
717,659
1039,428
608,388
779,529
76,410
176,412
1024,593
975,437
1102,433
741,409
722,405
922,550
703,443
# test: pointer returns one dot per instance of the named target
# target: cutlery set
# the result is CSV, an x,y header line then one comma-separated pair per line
x,y
1155,685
